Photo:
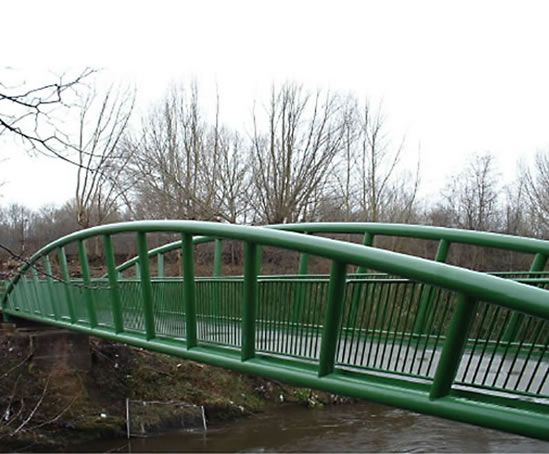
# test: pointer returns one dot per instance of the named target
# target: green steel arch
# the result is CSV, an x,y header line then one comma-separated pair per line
x,y
401,330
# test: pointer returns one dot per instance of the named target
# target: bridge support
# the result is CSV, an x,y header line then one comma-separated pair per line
x,y
454,345
47,348
336,290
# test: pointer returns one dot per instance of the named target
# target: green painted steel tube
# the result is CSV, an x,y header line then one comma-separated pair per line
x,y
426,295
483,287
367,240
160,265
249,301
85,269
332,320
51,293
259,258
303,264
36,290
453,348
146,287
400,394
483,239
511,331
63,265
217,273
303,270
218,258
189,290
116,304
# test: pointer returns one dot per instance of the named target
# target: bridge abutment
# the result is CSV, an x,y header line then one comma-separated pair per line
x,y
46,348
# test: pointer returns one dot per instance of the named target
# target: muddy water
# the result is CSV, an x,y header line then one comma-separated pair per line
x,y
361,427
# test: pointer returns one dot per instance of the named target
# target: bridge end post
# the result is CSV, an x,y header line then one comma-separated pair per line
x,y
146,288
453,348
189,290
249,300
328,347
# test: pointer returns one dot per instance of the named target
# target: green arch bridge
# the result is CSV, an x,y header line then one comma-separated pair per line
x,y
389,327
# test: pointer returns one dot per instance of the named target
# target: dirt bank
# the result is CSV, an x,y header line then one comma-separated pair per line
x,y
49,408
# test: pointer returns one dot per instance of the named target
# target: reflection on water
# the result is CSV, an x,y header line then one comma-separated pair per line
x,y
349,428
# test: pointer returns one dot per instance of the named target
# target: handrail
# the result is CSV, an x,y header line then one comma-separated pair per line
x,y
451,235
484,287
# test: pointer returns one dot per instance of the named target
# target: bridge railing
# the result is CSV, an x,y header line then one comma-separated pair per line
x,y
348,326
445,237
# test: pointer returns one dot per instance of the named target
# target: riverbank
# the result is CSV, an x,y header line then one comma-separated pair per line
x,y
49,408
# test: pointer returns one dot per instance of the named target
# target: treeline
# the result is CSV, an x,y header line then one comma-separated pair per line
x,y
303,156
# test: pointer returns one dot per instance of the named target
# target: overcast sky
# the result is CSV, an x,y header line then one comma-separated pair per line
x,y
453,77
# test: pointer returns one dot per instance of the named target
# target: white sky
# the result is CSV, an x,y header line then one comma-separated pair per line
x,y
454,77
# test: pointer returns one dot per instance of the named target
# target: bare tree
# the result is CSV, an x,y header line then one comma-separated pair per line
x,y
345,189
377,162
472,197
294,153
536,183
172,159
29,112
19,220
101,157
232,180
371,185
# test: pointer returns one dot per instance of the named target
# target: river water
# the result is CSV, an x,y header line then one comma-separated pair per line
x,y
363,427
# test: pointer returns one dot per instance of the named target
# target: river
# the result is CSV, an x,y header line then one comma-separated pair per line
x,y
363,427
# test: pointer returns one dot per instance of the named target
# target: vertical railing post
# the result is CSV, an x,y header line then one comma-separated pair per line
x,y
516,318
36,287
146,286
249,301
218,257
303,264
427,292
116,305
332,319
29,298
49,279
217,272
189,289
86,279
160,265
303,270
368,240
258,258
66,283
453,348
